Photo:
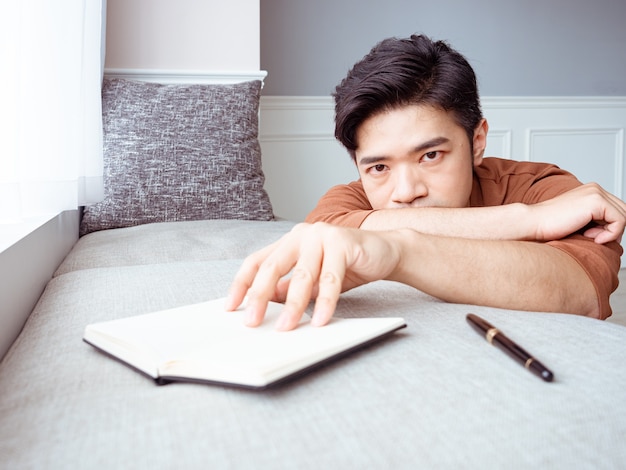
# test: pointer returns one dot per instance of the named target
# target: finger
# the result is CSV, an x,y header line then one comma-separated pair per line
x,y
618,206
329,288
280,294
302,282
621,205
263,288
615,218
616,209
602,234
244,278
259,275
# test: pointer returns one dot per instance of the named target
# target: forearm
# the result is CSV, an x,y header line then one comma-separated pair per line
x,y
505,274
588,207
481,223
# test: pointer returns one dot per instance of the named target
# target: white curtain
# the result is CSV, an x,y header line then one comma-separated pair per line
x,y
50,107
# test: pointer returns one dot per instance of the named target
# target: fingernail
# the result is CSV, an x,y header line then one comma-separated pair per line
x,y
282,323
250,318
320,316
228,304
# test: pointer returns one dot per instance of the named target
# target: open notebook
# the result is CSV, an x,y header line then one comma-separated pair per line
x,y
204,343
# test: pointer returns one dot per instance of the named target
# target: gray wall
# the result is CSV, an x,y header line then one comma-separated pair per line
x,y
517,47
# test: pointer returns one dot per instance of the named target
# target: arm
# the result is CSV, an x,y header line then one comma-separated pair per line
x,y
491,267
485,223
505,274
327,260
552,219
547,212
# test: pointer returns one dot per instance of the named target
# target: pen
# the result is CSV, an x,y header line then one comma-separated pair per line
x,y
497,338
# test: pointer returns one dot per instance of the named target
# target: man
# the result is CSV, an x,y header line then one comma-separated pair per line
x,y
431,212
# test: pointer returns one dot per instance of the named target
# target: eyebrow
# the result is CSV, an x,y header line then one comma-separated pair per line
x,y
420,148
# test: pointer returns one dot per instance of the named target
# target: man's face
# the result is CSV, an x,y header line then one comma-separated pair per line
x,y
417,156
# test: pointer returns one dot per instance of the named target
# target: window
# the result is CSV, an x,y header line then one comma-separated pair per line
x,y
50,118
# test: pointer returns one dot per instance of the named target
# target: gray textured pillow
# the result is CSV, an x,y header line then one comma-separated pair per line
x,y
179,152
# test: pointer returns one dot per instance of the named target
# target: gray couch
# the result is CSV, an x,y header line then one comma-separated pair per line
x,y
175,224
435,395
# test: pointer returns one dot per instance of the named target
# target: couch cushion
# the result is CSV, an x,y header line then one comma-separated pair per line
x,y
166,242
179,152
435,395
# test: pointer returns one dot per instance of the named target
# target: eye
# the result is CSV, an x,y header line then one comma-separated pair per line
x,y
431,156
377,169
373,166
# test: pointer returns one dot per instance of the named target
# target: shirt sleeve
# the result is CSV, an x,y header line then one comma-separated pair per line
x,y
345,205
503,182
600,262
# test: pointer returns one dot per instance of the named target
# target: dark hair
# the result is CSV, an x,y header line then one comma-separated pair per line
x,y
401,72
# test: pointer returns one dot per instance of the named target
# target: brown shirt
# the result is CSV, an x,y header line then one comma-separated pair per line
x,y
498,182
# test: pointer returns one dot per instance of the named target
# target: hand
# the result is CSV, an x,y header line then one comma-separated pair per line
x,y
324,260
577,209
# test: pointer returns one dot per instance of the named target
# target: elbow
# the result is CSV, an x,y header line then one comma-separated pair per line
x,y
595,313
586,298
595,307
589,305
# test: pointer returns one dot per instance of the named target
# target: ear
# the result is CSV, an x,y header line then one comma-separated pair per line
x,y
480,141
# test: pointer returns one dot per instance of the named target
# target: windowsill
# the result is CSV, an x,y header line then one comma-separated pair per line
x,y
12,232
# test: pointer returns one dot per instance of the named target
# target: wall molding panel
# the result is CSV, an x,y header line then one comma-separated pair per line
x,y
593,154
301,157
500,142
302,160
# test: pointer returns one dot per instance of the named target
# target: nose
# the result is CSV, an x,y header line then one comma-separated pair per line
x,y
408,187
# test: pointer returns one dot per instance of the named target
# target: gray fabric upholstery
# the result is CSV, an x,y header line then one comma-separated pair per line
x,y
436,395
179,152
172,242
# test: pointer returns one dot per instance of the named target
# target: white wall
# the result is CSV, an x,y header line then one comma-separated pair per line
x,y
183,34
584,135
